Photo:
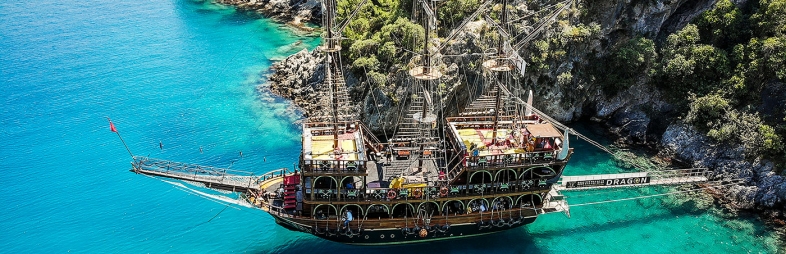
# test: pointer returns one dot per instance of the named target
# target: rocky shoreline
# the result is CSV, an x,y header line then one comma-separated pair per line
x,y
637,117
296,13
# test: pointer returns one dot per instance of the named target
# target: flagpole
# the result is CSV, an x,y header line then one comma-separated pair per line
x,y
113,129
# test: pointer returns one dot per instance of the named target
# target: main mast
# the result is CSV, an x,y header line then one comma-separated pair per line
x,y
331,48
423,76
500,63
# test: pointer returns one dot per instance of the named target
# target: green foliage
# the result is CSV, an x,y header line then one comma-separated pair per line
x,y
403,33
564,78
366,64
539,56
580,33
722,26
451,13
748,130
773,51
771,18
377,78
625,64
724,62
714,114
707,111
687,66
771,141
757,63
363,48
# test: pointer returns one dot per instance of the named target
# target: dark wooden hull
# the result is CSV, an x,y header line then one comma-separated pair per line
x,y
403,235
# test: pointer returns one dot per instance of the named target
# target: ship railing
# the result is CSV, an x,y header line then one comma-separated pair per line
x,y
424,193
368,137
511,160
645,178
333,166
281,172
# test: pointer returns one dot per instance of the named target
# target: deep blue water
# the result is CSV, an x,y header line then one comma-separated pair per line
x,y
184,72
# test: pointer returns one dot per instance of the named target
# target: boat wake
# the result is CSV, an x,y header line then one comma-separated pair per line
x,y
224,200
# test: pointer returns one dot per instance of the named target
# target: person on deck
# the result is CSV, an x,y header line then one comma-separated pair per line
x,y
389,155
347,219
280,191
350,186
299,200
442,175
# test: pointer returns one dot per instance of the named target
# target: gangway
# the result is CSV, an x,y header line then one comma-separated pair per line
x,y
211,177
638,179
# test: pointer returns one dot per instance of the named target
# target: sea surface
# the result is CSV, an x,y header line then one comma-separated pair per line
x,y
183,74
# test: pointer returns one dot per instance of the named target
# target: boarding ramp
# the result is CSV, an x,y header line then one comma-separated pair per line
x,y
638,179
210,177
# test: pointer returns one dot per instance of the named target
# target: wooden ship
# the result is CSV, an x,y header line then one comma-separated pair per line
x,y
498,164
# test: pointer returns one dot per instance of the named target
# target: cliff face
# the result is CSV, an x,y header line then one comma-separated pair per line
x,y
637,114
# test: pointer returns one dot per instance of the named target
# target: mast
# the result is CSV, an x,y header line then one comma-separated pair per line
x,y
500,73
424,74
331,46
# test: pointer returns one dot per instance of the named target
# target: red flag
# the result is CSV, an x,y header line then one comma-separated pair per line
x,y
112,126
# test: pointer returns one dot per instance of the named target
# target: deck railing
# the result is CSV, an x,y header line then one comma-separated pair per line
x,y
511,160
334,166
422,193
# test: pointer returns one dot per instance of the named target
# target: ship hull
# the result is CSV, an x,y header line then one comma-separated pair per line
x,y
391,236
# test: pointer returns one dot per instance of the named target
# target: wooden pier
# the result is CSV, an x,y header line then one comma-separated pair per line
x,y
639,179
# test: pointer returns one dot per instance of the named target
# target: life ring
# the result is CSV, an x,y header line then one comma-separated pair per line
x,y
417,193
423,233
443,192
391,194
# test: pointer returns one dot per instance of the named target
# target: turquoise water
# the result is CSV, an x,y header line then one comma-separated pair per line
x,y
184,72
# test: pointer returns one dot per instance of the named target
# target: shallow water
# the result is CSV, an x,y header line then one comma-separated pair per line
x,y
184,73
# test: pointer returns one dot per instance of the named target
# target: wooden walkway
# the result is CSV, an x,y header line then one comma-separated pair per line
x,y
639,179
210,177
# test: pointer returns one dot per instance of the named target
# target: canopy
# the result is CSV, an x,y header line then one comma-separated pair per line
x,y
544,130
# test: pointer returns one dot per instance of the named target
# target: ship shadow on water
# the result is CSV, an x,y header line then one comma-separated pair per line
x,y
510,241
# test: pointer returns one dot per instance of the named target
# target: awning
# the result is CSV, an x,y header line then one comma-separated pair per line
x,y
545,130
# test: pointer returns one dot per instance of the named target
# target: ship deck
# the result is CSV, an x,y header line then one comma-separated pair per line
x,y
477,137
381,172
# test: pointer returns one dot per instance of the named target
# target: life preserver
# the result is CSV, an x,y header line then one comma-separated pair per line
x,y
423,233
443,192
417,193
391,194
